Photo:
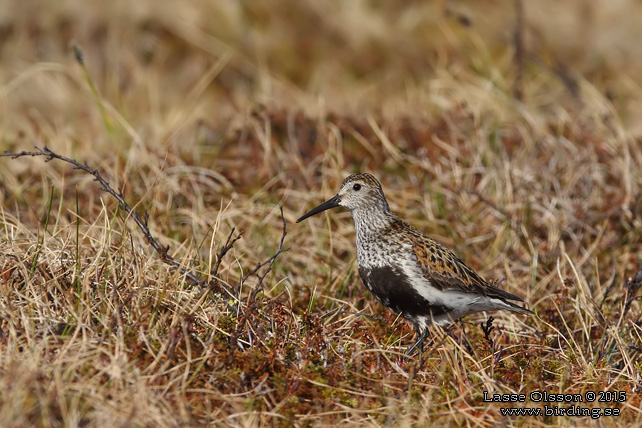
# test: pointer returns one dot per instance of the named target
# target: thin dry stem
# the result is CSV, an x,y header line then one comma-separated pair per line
x,y
141,222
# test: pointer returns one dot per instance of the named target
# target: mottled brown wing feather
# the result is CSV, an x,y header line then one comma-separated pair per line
x,y
446,271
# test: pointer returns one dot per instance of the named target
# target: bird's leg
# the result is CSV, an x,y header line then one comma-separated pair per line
x,y
421,337
417,328
419,343
448,331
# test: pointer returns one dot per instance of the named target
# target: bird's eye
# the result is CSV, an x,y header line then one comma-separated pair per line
x,y
356,187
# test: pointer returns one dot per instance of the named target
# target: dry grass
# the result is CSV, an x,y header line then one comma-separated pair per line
x,y
210,115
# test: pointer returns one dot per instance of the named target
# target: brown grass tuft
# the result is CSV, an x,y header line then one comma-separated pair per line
x,y
207,117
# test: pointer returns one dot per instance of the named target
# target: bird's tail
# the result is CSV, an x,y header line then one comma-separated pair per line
x,y
518,309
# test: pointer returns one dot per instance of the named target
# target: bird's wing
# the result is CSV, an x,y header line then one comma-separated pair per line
x,y
446,271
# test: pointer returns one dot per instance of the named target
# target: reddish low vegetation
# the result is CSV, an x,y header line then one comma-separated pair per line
x,y
151,270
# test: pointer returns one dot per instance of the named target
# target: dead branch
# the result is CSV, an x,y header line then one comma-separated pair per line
x,y
229,243
141,222
252,304
269,262
633,285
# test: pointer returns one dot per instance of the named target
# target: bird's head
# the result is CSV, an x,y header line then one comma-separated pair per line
x,y
359,192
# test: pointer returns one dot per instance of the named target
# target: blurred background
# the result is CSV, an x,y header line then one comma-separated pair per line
x,y
168,66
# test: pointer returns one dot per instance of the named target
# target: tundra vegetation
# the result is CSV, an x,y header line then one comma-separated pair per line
x,y
151,273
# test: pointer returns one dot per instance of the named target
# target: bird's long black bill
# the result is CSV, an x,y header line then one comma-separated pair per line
x,y
331,203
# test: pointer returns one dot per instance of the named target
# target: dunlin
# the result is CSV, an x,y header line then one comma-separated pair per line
x,y
410,273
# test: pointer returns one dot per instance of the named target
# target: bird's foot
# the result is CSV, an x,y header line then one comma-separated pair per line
x,y
419,343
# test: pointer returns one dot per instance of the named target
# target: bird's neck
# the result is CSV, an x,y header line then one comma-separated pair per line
x,y
372,221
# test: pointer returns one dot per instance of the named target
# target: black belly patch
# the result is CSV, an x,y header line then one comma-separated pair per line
x,y
392,287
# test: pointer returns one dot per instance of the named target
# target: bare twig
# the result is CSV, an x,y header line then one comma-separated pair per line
x,y
251,299
141,222
269,262
229,243
632,287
